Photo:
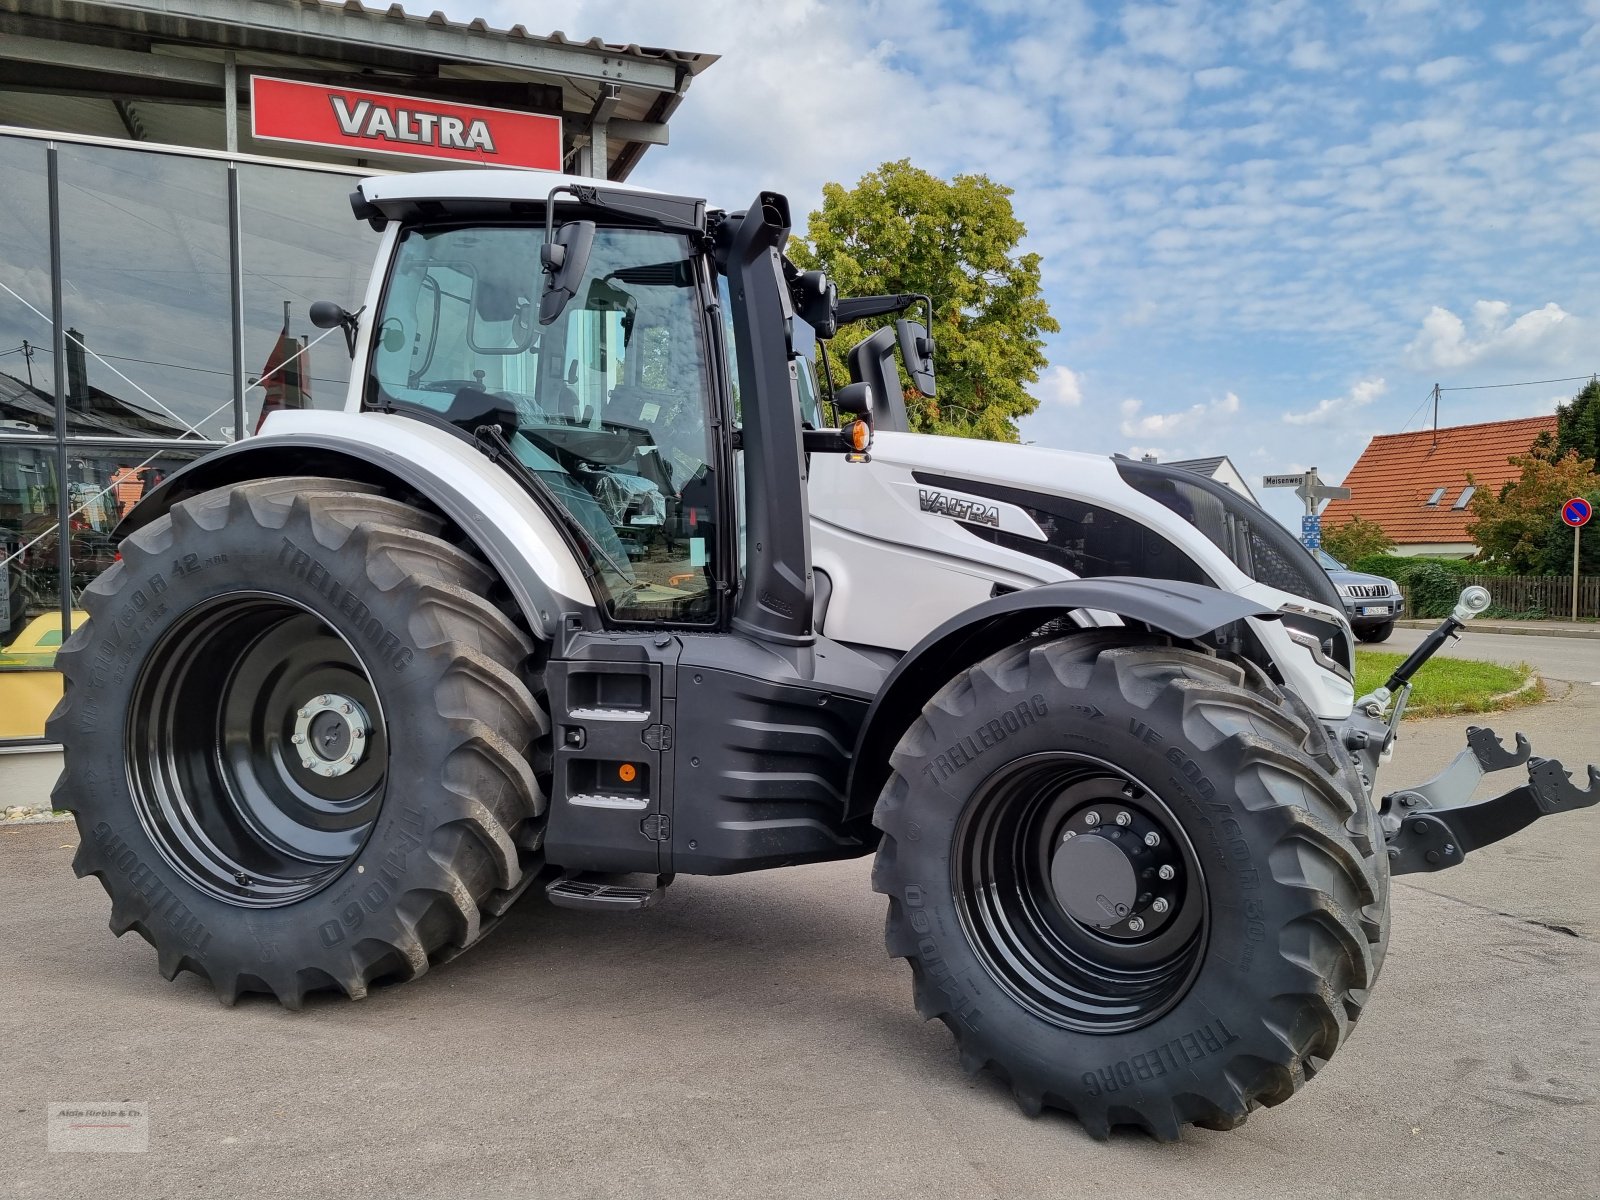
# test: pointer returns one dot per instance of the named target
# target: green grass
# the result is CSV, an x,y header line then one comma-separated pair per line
x,y
1450,685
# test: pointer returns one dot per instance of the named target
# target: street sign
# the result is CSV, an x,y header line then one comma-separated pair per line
x,y
1308,486
1311,532
1576,512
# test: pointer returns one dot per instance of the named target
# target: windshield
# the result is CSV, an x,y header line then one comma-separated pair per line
x,y
609,402
1328,561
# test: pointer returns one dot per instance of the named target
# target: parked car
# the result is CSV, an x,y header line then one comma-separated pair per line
x,y
1370,601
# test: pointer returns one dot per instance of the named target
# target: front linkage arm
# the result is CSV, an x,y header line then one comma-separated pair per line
x,y
1434,825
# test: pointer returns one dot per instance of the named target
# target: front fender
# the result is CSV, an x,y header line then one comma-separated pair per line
x,y
1186,611
514,534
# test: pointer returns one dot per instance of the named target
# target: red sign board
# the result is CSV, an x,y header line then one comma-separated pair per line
x,y
283,110
1576,512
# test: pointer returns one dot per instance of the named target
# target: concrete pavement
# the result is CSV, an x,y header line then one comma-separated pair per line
x,y
748,1037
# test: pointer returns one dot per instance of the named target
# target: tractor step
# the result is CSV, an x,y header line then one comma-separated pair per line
x,y
597,893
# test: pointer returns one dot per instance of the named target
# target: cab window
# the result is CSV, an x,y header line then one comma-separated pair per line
x,y
610,401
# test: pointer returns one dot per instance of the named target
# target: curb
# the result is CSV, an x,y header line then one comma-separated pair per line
x,y
34,816
1517,628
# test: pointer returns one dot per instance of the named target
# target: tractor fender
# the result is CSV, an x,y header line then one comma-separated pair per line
x,y
525,545
1186,611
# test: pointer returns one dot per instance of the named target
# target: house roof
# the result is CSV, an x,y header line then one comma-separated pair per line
x,y
1398,473
1201,466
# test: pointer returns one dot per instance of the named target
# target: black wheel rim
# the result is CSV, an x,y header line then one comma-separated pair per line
x,y
1106,966
257,756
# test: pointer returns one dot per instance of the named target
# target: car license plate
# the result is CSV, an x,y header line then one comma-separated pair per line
x,y
1374,610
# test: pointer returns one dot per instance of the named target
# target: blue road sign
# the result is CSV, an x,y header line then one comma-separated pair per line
x,y
1311,531
1577,511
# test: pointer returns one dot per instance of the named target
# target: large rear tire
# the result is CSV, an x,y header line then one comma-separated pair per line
x,y
298,742
1133,880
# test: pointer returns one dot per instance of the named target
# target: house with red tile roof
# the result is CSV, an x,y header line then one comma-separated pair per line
x,y
1415,484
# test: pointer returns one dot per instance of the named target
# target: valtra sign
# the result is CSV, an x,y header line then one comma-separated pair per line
x,y
283,110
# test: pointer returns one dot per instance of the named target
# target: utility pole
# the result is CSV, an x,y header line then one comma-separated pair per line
x,y
1435,414
27,357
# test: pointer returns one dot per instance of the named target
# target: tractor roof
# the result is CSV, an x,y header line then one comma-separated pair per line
x,y
397,195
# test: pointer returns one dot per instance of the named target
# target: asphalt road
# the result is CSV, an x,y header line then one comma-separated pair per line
x,y
748,1037
1569,659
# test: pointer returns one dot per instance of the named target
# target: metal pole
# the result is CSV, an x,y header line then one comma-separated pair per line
x,y
1576,533
236,298
230,101
58,340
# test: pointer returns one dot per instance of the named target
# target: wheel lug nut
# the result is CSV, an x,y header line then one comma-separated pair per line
x,y
1091,818
1136,924
1069,835
1152,839
1166,871
1160,905
1124,819
345,708
299,739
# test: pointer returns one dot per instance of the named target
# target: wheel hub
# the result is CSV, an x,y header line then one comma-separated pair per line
x,y
330,734
1115,869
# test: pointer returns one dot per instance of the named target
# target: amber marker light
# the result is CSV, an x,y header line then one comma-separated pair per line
x,y
627,772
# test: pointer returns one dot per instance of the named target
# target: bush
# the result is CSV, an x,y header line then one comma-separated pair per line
x,y
1401,568
1434,589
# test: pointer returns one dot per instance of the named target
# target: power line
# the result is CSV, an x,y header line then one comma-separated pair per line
x,y
1483,387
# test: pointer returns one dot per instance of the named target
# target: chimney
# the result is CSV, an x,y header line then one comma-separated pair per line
x,y
77,372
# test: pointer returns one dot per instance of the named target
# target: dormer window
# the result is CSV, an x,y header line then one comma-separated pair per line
x,y
1438,495
1465,498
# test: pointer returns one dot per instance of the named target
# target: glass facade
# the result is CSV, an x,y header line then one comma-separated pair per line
x,y
155,355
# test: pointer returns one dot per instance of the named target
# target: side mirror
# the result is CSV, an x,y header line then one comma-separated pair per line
x,y
855,399
815,298
564,258
325,314
916,351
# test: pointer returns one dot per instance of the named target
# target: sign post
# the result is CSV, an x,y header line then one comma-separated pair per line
x,y
1576,512
1310,488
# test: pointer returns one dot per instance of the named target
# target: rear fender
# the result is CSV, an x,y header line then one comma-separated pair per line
x,y
1185,611
522,542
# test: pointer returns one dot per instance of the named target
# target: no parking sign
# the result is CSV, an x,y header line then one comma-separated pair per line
x,y
1576,512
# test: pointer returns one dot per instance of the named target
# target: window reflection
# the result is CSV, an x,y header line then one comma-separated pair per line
x,y
300,244
145,282
27,367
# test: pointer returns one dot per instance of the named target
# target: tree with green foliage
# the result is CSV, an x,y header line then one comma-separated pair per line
x,y
1519,529
1578,423
1356,538
902,230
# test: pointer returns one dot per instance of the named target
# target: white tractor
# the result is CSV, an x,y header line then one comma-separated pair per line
x,y
579,588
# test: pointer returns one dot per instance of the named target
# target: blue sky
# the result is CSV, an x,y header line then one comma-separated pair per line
x,y
1268,227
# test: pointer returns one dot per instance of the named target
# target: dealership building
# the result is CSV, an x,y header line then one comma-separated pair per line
x,y
174,178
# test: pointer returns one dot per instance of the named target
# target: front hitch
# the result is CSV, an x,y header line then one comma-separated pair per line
x,y
1435,825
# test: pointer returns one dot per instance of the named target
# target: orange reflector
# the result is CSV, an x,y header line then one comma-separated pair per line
x,y
627,771
858,435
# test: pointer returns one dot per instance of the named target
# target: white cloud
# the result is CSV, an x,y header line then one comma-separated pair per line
x,y
1312,56
1158,424
1219,77
1441,70
1512,53
1547,336
1062,387
1359,396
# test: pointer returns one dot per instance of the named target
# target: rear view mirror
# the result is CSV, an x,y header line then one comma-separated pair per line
x,y
564,258
855,399
916,351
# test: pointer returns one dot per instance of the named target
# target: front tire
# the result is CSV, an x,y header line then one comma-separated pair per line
x,y
1047,799
298,746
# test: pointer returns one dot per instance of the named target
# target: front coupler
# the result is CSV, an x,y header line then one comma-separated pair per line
x,y
1435,825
